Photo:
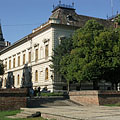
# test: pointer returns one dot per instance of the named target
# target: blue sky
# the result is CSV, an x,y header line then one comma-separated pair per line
x,y
20,17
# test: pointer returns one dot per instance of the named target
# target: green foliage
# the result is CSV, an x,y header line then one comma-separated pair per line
x,y
59,52
113,105
83,52
4,114
94,55
51,94
118,19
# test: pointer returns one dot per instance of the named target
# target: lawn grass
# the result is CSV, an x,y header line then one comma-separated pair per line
x,y
113,105
51,94
4,114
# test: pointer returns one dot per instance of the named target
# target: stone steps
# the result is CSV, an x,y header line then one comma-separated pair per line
x,y
27,113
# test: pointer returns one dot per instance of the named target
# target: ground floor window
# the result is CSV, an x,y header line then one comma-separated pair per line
x,y
18,80
46,74
36,76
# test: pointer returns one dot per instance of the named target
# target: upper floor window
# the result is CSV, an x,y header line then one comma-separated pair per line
x,y
29,57
9,64
36,54
13,62
18,60
23,59
6,65
46,51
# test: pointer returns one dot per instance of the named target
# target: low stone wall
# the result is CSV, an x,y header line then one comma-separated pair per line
x,y
95,97
109,97
13,99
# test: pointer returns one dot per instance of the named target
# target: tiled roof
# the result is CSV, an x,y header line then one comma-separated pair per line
x,y
70,17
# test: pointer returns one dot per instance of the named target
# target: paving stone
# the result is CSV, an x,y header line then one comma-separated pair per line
x,y
76,112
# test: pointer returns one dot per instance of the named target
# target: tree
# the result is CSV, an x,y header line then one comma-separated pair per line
x,y
108,45
98,53
85,67
118,19
63,49
94,55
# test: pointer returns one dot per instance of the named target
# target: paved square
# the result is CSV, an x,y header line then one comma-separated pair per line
x,y
79,112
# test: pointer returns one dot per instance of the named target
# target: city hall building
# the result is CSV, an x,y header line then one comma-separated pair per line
x,y
35,50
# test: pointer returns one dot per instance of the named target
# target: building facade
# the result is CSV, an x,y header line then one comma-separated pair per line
x,y
35,50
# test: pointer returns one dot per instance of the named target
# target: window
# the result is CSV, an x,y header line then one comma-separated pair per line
x,y
36,76
46,51
23,59
29,60
9,64
18,80
18,60
6,65
46,74
14,63
36,54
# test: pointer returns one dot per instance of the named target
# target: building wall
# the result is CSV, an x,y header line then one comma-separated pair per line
x,y
50,37
40,64
13,99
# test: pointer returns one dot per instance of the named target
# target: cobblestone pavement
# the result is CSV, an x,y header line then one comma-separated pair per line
x,y
79,112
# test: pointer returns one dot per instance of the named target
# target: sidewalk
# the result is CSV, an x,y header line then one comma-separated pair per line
x,y
79,112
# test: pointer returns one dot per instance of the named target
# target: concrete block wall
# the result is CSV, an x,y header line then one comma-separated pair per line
x,y
84,97
13,99
95,97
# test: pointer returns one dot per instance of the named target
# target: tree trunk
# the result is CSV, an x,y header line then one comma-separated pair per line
x,y
80,85
68,87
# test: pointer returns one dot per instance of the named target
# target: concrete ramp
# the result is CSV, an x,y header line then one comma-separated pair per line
x,y
49,101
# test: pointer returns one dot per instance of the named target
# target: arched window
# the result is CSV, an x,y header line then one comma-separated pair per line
x,y
18,80
18,60
29,60
46,74
36,76
9,64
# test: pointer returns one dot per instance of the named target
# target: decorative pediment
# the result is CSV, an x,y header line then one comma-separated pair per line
x,y
46,40
36,44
